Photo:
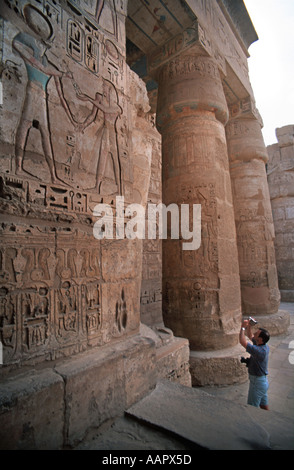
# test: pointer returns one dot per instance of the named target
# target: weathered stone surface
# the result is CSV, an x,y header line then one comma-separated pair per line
x,y
172,354
280,174
213,423
54,407
32,411
201,287
101,384
221,367
77,131
151,286
74,128
195,165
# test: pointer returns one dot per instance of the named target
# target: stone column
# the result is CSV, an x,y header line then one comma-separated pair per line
x,y
254,224
201,288
280,174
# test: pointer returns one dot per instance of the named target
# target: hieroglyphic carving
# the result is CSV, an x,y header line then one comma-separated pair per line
x,y
186,65
35,107
35,309
67,311
48,293
121,314
174,46
43,199
222,41
91,304
107,102
86,46
150,297
187,149
8,308
200,303
82,47
237,128
74,40
66,148
245,108
206,258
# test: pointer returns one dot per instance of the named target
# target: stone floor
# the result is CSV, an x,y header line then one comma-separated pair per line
x,y
125,433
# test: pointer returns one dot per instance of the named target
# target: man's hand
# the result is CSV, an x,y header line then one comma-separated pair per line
x,y
242,338
245,323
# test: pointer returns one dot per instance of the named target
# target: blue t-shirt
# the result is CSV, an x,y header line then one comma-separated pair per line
x,y
259,359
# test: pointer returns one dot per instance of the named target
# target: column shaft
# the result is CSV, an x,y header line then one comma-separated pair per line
x,y
201,288
254,224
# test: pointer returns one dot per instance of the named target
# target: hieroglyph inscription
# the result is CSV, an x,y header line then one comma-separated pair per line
x,y
65,147
186,65
48,296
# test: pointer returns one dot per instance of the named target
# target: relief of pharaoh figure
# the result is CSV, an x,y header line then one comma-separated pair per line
x,y
107,102
39,71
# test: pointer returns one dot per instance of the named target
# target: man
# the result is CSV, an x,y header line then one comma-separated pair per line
x,y
258,364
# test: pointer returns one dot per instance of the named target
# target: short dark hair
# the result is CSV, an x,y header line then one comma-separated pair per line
x,y
264,334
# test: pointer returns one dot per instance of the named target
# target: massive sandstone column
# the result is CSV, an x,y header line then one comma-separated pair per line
x,y
201,288
280,174
254,224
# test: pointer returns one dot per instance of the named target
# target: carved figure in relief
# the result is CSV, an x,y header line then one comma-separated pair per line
x,y
92,306
99,7
35,107
121,312
7,319
7,311
34,311
107,144
36,267
67,305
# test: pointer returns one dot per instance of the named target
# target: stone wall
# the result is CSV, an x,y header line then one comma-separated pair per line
x,y
70,104
280,174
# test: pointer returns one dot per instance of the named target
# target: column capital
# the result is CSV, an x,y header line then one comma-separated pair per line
x,y
245,140
188,84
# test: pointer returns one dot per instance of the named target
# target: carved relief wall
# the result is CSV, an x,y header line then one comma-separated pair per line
x,y
151,289
66,145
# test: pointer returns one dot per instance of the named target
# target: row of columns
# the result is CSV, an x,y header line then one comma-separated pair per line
x,y
217,162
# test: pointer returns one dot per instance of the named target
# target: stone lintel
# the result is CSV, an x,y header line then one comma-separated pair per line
x,y
193,40
239,20
245,109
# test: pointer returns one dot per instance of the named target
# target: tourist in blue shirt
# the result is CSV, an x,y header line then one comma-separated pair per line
x,y
258,364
